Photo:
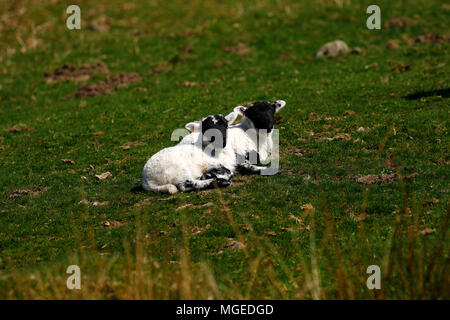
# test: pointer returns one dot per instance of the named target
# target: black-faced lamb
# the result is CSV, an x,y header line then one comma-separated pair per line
x,y
181,167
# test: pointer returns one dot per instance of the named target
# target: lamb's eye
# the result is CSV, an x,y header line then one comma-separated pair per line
x,y
212,139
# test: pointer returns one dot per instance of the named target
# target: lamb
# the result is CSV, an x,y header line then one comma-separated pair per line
x,y
183,166
243,137
251,139
167,170
196,129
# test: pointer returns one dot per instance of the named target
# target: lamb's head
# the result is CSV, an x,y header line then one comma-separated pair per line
x,y
212,129
262,113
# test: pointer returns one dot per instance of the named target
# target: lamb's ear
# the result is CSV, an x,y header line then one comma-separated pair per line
x,y
192,126
279,104
240,110
231,117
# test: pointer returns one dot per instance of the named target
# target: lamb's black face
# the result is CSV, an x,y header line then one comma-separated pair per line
x,y
262,114
214,129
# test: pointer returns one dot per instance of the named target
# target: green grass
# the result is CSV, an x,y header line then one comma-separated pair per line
x,y
155,253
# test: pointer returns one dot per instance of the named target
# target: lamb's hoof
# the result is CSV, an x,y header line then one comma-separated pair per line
x,y
222,183
172,189
216,173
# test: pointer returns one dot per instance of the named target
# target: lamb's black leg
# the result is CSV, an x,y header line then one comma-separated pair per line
x,y
195,184
221,175
247,168
247,165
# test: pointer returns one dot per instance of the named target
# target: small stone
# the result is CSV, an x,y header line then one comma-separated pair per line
x,y
104,175
332,49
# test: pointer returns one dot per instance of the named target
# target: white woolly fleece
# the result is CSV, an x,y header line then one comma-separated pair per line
x,y
173,166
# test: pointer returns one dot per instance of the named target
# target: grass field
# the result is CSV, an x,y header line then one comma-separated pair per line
x,y
379,114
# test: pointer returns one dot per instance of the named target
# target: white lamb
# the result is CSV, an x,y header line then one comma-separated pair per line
x,y
257,126
196,128
181,167
190,165
254,133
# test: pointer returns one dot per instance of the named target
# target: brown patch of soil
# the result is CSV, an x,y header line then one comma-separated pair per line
x,y
221,63
393,44
407,39
241,180
400,22
186,48
398,67
106,87
240,49
69,72
143,203
32,191
128,145
289,173
431,38
113,224
338,137
297,151
20,127
349,113
158,69
100,24
315,117
93,89
383,178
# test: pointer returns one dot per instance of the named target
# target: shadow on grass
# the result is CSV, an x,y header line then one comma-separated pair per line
x,y
138,189
422,94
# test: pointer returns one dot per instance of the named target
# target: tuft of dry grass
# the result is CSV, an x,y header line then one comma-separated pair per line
x,y
411,269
